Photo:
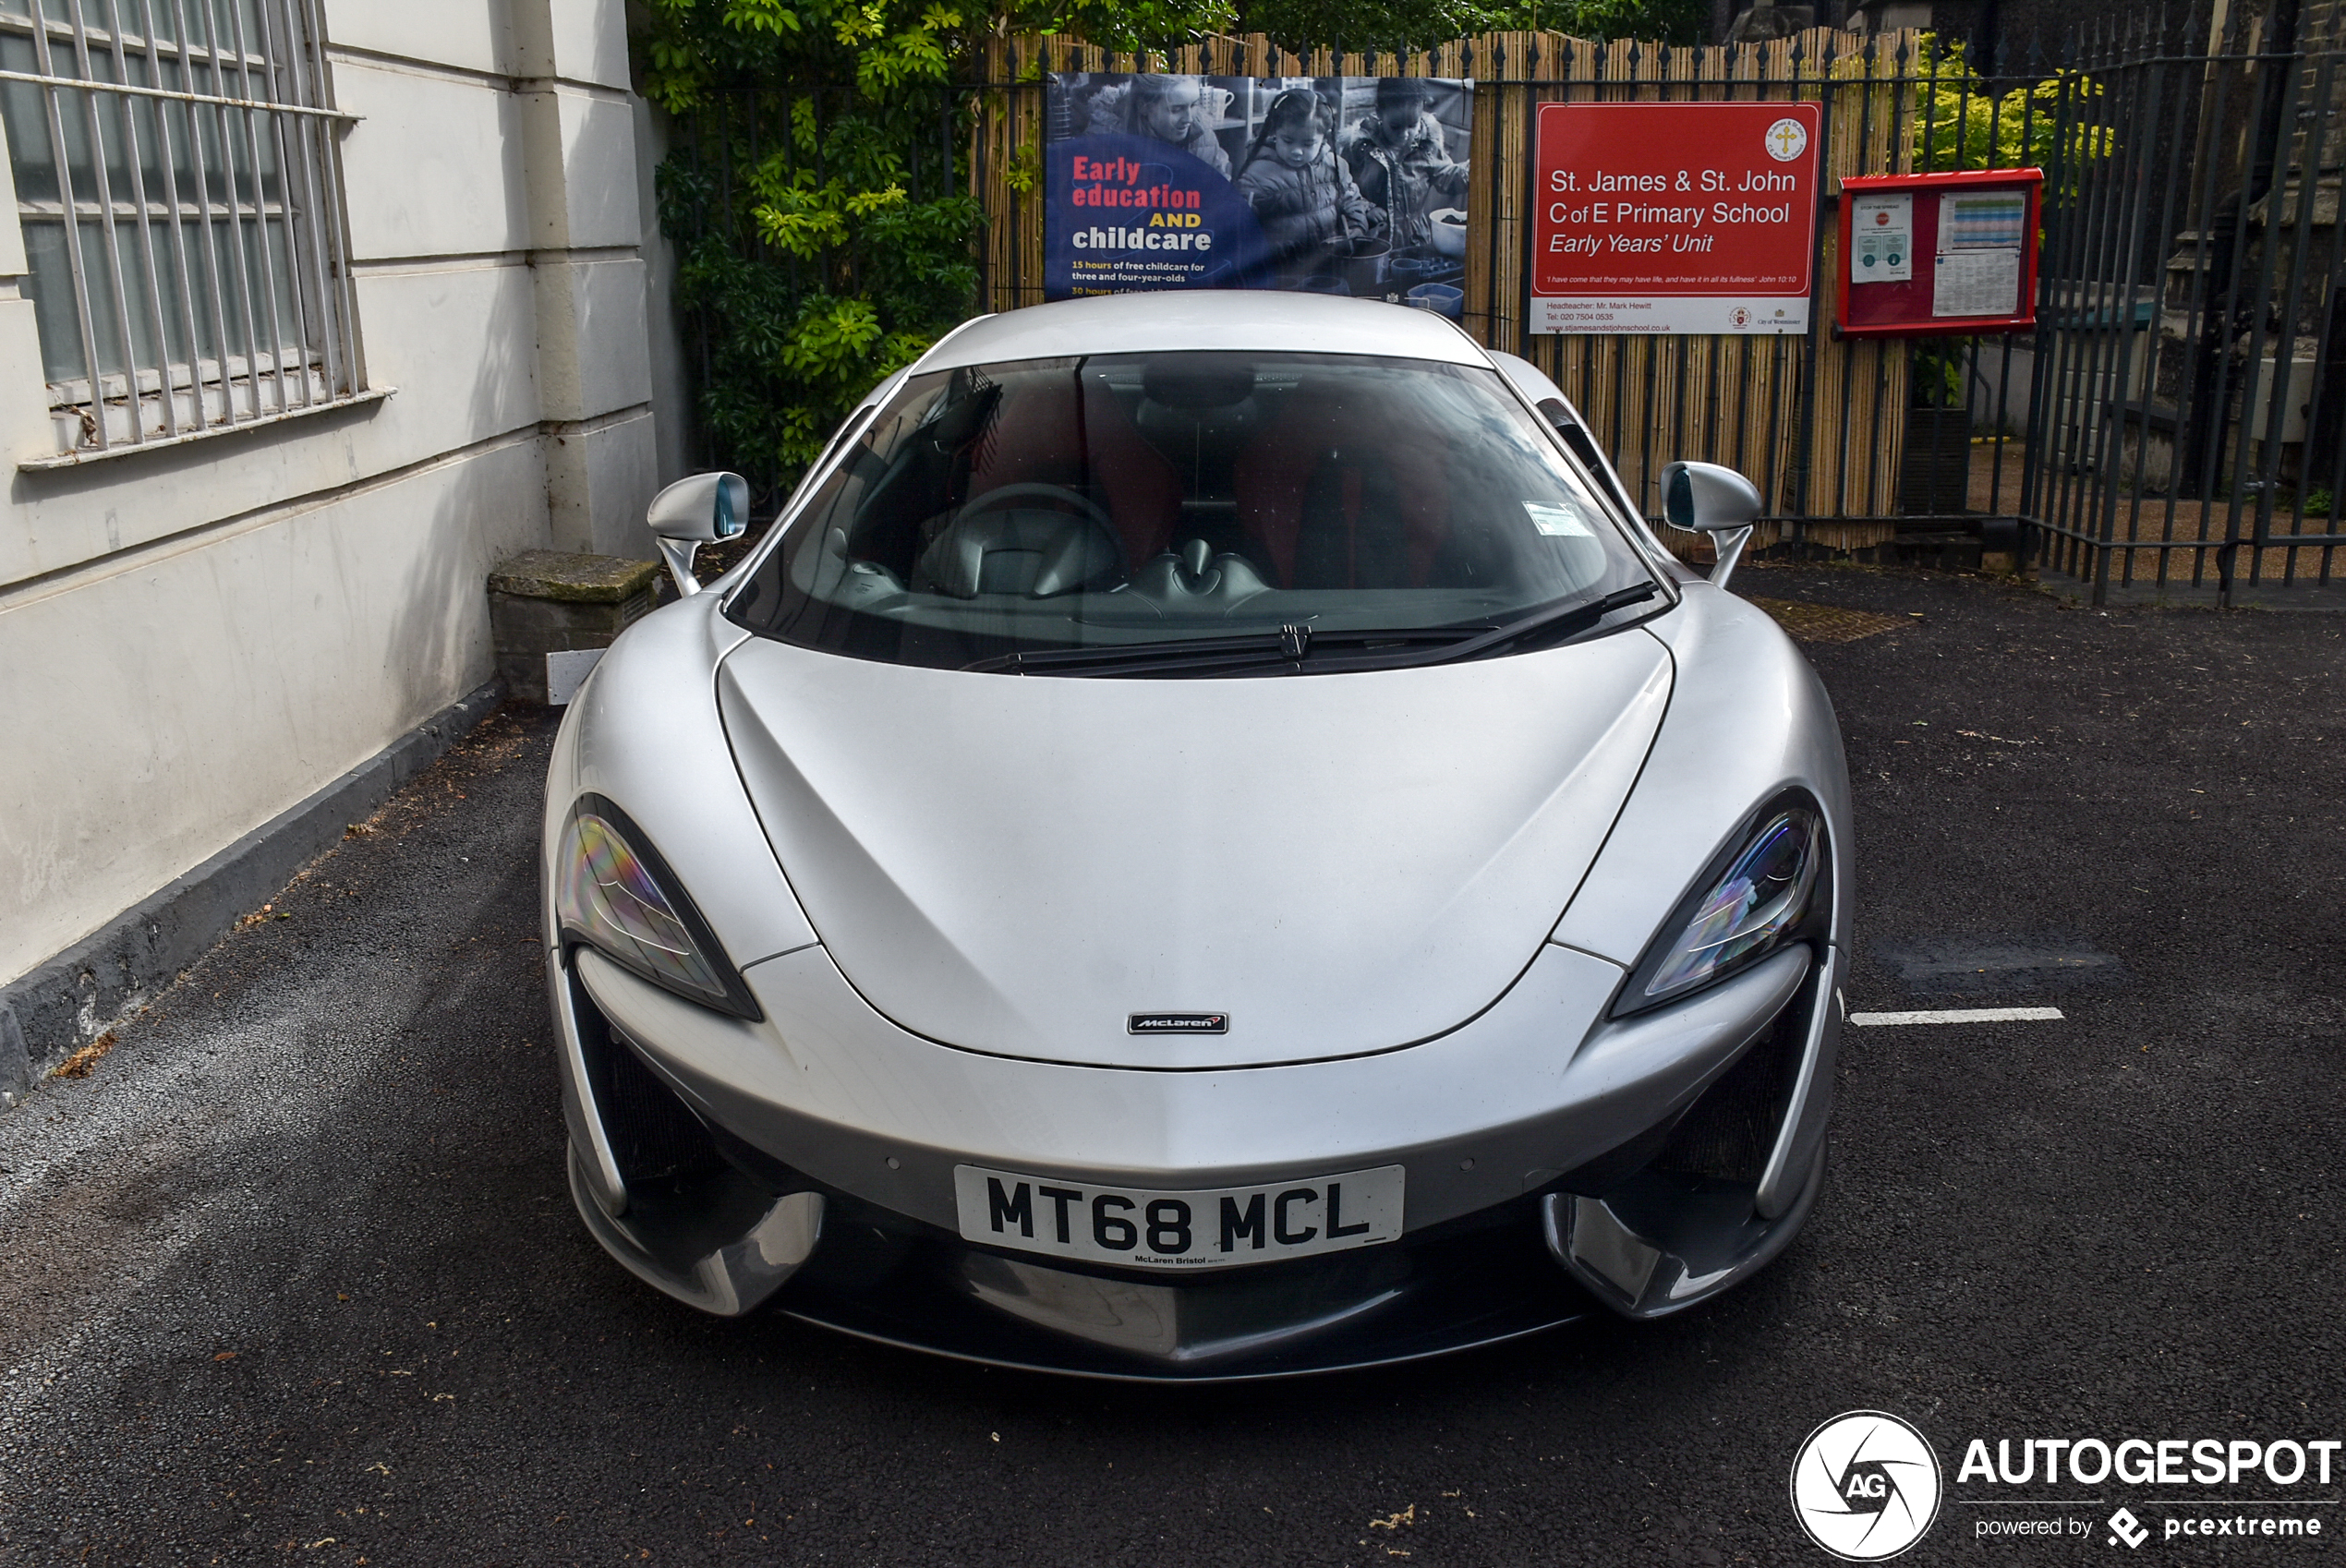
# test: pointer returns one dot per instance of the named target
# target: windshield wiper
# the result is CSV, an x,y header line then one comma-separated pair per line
x,y
1291,647
1541,625
1297,647
1200,654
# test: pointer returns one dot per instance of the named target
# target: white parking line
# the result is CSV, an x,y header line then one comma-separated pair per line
x,y
1960,1015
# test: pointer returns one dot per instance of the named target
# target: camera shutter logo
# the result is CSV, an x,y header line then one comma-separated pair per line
x,y
1865,1486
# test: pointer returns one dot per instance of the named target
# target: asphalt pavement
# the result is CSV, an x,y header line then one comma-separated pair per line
x,y
291,1275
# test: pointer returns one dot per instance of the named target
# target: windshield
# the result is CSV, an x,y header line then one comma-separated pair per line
x,y
1125,502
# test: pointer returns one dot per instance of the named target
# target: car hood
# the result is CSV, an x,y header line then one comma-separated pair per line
x,y
1335,864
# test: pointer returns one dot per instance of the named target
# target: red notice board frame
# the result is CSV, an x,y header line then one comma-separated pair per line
x,y
1903,310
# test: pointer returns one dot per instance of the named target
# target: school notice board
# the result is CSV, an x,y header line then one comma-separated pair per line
x,y
1941,254
1673,217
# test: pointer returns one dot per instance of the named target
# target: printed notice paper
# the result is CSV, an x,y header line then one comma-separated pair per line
x,y
1975,282
1976,271
1982,220
1882,236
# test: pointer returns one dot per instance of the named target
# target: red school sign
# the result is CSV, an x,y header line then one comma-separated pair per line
x,y
1673,217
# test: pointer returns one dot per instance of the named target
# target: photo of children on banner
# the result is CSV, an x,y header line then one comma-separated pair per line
x,y
1303,194
1330,184
1401,158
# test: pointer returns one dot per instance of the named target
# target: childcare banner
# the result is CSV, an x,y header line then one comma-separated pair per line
x,y
1673,217
1352,186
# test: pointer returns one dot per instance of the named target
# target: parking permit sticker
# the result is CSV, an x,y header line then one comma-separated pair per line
x,y
1558,522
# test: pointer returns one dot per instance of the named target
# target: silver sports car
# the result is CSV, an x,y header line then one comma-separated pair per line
x,y
1209,840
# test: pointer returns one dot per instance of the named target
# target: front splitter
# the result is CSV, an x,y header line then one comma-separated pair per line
x,y
1417,1299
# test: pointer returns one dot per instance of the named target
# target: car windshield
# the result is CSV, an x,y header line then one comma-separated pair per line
x,y
998,514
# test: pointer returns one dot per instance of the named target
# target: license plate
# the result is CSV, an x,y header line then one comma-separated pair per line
x,y
1141,1227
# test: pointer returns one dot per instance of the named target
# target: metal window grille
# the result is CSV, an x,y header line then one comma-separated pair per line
x,y
177,181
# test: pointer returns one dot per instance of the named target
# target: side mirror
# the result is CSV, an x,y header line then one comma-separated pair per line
x,y
1708,498
691,513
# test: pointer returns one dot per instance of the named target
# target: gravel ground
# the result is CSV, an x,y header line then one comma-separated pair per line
x,y
292,1274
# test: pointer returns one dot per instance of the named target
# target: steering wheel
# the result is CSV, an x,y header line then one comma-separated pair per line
x,y
1005,495
1067,553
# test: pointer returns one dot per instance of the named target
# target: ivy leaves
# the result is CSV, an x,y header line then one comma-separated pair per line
x,y
818,196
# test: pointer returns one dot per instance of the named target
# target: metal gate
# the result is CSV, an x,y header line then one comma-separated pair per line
x,y
2182,401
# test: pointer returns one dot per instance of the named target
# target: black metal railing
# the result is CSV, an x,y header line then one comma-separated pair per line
x,y
2185,386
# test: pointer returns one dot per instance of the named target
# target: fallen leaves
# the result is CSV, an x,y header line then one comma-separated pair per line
x,y
1406,1517
81,1061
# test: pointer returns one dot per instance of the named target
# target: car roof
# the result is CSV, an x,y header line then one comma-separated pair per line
x,y
1204,318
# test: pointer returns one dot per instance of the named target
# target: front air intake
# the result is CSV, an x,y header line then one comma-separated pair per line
x,y
1731,1130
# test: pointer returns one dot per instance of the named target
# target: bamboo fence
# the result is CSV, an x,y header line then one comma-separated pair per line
x,y
1816,422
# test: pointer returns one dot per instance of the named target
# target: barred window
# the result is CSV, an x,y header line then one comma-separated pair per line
x,y
177,181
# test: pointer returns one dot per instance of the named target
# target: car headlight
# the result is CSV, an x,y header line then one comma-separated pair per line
x,y
615,893
1761,894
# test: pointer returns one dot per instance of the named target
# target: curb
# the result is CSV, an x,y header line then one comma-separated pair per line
x,y
77,995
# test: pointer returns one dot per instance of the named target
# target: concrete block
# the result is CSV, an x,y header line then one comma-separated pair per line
x,y
544,602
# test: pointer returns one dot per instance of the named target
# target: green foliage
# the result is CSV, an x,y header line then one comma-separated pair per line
x,y
1675,22
1935,373
1419,24
823,235
1961,123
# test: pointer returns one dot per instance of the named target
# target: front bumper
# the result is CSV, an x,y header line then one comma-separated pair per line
x,y
1645,1165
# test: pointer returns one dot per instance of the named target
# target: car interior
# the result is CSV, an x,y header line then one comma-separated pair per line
x,y
1032,500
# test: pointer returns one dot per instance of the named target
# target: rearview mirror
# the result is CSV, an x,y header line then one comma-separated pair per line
x,y
1711,499
695,511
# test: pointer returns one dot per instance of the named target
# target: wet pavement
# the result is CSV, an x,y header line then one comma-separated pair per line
x,y
291,1276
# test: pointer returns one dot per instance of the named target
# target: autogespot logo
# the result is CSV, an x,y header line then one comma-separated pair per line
x,y
1865,1486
